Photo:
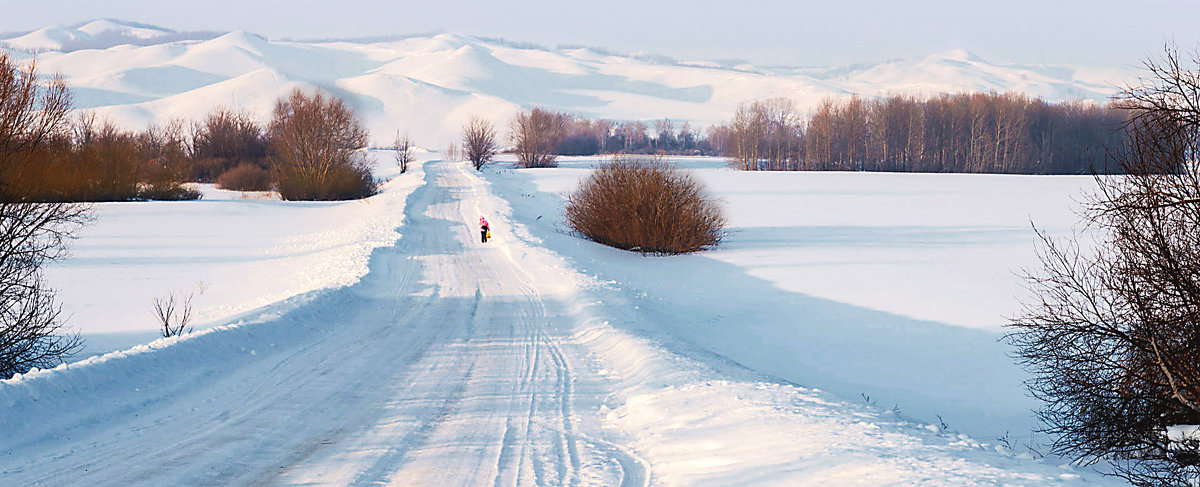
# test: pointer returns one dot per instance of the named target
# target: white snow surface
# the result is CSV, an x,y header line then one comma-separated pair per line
x,y
428,86
57,38
232,251
887,288
536,359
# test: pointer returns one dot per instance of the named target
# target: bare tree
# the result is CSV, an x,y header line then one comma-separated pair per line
x,y
31,329
452,152
316,149
968,132
32,115
479,142
534,136
1113,339
403,148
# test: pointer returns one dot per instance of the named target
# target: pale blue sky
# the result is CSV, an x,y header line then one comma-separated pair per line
x,y
1093,32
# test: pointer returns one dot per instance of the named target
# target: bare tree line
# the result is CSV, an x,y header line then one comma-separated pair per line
x,y
973,133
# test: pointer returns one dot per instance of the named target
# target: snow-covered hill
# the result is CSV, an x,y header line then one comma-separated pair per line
x,y
429,86
103,32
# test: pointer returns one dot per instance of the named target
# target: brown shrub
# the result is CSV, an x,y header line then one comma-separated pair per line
x,y
645,205
164,163
246,177
223,140
105,163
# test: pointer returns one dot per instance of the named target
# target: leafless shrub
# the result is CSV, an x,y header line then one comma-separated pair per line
x,y
224,140
479,142
174,314
403,148
316,149
165,163
645,205
535,134
106,160
1113,338
246,177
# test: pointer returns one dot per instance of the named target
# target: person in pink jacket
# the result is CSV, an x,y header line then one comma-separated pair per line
x,y
483,229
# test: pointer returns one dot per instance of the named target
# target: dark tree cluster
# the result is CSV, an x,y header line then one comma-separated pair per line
x,y
972,133
1113,336
225,140
563,134
50,158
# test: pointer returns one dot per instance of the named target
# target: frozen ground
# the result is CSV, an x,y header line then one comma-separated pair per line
x,y
536,359
892,288
935,247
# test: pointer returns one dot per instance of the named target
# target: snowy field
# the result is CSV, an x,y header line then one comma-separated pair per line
x,y
232,251
542,359
887,288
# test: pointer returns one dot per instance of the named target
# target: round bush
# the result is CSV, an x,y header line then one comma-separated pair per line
x,y
246,177
646,206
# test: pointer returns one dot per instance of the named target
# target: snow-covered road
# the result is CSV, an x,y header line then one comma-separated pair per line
x,y
440,364
457,363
